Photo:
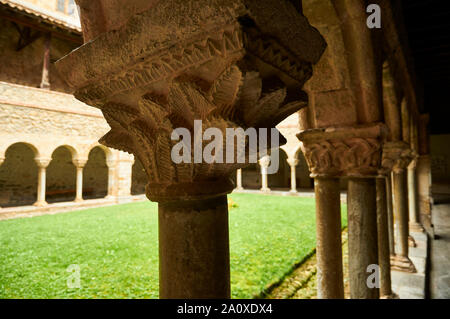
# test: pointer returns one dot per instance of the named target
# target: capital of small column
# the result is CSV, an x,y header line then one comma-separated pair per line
x,y
292,162
396,156
344,151
42,162
79,163
2,159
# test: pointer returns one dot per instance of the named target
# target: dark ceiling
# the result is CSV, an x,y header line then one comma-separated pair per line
x,y
428,30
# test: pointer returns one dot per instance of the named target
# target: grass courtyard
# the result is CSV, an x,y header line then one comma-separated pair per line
x,y
116,248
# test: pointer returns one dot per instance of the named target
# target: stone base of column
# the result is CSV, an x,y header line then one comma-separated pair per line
x,y
265,190
411,241
293,191
40,204
402,263
391,296
239,188
416,227
78,200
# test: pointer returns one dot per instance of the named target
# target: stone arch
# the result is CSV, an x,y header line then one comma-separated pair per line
x,y
18,175
251,176
138,178
281,179
61,175
302,171
95,173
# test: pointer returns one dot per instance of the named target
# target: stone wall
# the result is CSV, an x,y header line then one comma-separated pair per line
x,y
440,158
25,66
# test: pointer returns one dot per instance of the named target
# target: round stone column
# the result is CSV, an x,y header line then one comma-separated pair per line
x,y
362,235
293,165
239,179
79,164
330,283
42,164
264,163
193,249
390,214
383,239
401,260
414,224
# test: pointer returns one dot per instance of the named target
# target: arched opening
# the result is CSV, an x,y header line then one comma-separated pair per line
x,y
18,176
61,177
280,179
302,172
251,176
95,175
138,178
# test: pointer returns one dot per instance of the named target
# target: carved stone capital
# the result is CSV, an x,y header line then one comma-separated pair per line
x,y
396,156
2,159
292,162
42,162
79,162
344,151
264,161
229,64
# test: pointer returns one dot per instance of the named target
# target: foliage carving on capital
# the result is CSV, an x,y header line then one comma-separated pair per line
x,y
397,155
345,151
230,64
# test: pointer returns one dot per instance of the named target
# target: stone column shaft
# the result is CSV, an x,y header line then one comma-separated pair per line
x,y
330,283
194,249
362,236
41,188
390,214
402,261
79,192
264,163
239,179
414,224
293,166
383,239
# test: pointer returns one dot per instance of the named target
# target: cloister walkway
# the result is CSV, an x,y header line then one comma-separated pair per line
x,y
440,253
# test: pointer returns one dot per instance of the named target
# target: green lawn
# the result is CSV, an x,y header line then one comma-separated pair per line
x,y
116,248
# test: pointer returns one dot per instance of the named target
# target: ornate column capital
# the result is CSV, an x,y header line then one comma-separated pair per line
x,y
264,161
344,151
79,162
292,162
42,162
396,156
2,159
230,64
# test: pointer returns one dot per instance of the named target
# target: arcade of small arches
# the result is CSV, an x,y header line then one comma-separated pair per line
x,y
34,175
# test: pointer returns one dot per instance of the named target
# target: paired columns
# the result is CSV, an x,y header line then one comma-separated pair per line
x,y
293,162
383,236
264,163
79,164
398,155
354,153
330,283
414,224
42,164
